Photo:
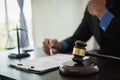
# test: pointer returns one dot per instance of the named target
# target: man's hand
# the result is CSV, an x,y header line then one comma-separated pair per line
x,y
53,44
97,8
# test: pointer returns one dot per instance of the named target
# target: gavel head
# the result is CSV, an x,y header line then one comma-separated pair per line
x,y
79,51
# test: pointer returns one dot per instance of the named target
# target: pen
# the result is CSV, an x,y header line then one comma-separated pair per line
x,y
51,53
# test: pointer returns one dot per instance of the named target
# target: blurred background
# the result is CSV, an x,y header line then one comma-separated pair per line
x,y
40,19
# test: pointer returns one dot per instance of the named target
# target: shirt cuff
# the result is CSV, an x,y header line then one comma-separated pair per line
x,y
65,46
106,19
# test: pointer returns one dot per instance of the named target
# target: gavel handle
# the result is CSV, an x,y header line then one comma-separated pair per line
x,y
95,53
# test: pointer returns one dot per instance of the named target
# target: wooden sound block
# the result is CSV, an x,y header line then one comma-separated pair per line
x,y
71,68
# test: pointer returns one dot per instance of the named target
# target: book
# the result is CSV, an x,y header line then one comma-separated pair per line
x,y
42,64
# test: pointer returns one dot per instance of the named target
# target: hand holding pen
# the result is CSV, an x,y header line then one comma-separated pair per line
x,y
51,46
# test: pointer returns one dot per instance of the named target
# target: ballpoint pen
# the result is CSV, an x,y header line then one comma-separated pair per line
x,y
51,53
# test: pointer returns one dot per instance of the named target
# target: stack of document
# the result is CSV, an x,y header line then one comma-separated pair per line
x,y
42,64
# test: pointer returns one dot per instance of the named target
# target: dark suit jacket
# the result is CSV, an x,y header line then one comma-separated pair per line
x,y
109,40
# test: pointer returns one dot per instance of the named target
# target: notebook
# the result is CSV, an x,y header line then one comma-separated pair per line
x,y
42,64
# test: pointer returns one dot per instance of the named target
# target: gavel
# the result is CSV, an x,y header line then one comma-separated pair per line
x,y
79,66
79,51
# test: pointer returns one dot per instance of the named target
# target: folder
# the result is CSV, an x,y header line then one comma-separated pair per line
x,y
42,64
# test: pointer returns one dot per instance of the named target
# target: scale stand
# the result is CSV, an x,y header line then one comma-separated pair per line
x,y
18,55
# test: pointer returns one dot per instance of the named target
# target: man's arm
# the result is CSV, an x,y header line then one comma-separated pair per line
x,y
82,33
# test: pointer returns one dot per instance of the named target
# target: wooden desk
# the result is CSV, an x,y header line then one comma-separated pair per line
x,y
109,69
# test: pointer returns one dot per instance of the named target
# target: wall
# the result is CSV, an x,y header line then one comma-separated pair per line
x,y
56,19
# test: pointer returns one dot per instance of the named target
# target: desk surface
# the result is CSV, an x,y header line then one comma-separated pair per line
x,y
109,69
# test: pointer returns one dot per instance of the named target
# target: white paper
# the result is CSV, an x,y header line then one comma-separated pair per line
x,y
44,63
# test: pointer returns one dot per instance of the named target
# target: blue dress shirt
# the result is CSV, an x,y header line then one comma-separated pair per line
x,y
106,19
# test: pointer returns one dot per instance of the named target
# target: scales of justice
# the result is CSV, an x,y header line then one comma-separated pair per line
x,y
79,66
19,54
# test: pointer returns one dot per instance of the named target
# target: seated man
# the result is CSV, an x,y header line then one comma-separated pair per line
x,y
101,20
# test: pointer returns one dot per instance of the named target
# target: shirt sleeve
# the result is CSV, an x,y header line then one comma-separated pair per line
x,y
65,46
106,19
